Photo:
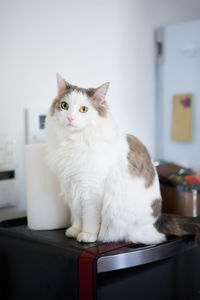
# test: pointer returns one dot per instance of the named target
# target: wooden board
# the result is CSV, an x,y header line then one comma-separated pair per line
x,y
182,118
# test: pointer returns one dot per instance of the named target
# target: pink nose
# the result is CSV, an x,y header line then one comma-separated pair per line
x,y
70,119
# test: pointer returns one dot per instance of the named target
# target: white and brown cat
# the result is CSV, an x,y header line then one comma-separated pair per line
x,y
107,178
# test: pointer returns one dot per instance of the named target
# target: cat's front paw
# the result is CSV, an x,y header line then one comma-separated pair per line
x,y
72,232
87,237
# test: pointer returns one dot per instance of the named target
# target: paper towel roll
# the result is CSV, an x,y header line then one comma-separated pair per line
x,y
45,208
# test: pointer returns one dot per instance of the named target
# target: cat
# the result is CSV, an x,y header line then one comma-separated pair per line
x,y
107,178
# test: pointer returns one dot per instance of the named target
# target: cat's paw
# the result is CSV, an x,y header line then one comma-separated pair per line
x,y
87,237
72,232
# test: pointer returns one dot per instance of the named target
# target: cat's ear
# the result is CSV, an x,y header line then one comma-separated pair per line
x,y
62,84
100,93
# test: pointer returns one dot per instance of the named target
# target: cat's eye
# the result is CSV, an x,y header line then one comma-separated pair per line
x,y
64,105
83,109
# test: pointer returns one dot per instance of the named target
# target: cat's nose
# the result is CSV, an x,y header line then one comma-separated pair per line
x,y
70,119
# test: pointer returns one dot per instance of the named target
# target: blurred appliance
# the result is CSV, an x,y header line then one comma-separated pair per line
x,y
180,189
8,186
9,192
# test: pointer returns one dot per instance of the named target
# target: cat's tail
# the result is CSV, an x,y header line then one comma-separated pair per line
x,y
178,225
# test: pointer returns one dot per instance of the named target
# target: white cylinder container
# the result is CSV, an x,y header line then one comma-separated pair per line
x,y
45,207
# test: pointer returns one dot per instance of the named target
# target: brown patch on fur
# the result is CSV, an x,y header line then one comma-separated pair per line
x,y
156,207
55,105
178,225
77,89
101,109
140,161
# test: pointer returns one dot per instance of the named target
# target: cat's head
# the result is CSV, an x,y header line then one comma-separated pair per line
x,y
75,108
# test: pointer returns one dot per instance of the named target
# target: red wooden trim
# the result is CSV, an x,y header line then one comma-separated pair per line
x,y
86,267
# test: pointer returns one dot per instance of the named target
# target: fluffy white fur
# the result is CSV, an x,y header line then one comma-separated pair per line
x,y
89,155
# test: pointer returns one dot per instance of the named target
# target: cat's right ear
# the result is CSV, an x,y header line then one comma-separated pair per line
x,y
62,85
99,94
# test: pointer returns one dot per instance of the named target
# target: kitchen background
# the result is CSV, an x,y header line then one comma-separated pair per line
x,y
88,42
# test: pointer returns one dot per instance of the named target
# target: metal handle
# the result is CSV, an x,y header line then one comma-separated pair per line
x,y
130,257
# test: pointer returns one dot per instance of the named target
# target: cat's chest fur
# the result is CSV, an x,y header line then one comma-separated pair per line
x,y
78,160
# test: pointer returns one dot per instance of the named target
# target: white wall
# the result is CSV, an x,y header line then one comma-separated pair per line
x,y
88,42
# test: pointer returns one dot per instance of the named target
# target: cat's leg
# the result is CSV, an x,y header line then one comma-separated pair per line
x,y
76,221
91,221
73,231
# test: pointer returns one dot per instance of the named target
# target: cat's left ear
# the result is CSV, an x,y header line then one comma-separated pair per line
x,y
100,93
62,84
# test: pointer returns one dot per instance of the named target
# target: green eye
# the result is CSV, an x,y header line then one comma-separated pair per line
x,y
64,105
83,109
